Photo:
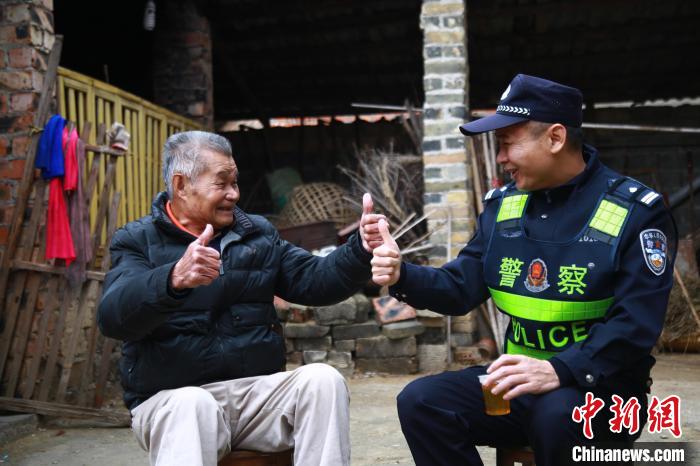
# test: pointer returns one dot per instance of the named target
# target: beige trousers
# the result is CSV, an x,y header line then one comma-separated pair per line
x,y
305,409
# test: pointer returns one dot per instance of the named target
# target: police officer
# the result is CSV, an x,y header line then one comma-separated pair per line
x,y
580,258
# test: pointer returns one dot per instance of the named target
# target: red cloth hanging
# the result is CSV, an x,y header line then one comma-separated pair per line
x,y
59,241
70,178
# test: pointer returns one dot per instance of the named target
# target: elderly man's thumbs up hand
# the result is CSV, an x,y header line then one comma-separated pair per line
x,y
369,231
386,263
199,265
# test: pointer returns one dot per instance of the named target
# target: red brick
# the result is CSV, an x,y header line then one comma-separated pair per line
x,y
21,57
22,102
4,231
4,144
6,214
15,34
7,191
12,169
2,59
3,104
20,145
17,13
16,79
22,122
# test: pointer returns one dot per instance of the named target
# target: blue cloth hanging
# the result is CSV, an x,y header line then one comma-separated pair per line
x,y
49,157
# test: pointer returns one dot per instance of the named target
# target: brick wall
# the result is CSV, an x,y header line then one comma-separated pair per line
x,y
446,169
26,38
447,172
183,80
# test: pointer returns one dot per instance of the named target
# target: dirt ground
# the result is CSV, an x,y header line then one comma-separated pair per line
x,y
375,433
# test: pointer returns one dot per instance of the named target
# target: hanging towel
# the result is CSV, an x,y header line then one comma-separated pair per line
x,y
70,141
49,157
59,241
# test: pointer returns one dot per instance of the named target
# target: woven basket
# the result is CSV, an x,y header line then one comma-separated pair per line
x,y
316,202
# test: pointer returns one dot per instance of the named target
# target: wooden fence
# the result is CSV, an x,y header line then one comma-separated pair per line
x,y
138,175
52,358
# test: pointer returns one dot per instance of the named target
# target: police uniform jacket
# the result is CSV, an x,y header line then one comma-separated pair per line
x,y
615,355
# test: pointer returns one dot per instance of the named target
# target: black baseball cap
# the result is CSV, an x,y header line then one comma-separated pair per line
x,y
532,98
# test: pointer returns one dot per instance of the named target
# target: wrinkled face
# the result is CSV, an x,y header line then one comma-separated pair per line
x,y
211,197
524,156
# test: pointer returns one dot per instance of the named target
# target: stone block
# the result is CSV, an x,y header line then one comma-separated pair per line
x,y
439,8
455,143
464,324
288,345
340,359
444,37
281,307
364,307
441,128
295,357
403,329
307,330
432,336
431,84
313,344
354,331
456,97
299,314
461,339
446,66
344,312
311,357
404,365
344,345
433,145
383,347
15,426
432,358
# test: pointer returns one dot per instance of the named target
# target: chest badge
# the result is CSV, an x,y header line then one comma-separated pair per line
x,y
655,250
536,280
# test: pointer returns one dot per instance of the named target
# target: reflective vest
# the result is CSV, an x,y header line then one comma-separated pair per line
x,y
554,292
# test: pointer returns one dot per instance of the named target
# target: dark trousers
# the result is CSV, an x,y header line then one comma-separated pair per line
x,y
442,417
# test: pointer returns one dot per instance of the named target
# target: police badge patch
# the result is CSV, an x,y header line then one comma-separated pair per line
x,y
536,280
655,250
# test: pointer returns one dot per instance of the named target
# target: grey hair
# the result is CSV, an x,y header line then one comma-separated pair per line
x,y
181,153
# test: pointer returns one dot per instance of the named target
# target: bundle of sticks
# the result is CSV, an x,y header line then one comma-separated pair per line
x,y
395,182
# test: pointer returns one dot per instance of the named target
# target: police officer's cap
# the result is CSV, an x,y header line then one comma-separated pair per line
x,y
531,98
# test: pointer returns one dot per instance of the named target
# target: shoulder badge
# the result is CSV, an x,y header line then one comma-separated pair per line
x,y
654,249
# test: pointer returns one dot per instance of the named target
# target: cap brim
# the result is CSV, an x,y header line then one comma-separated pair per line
x,y
489,123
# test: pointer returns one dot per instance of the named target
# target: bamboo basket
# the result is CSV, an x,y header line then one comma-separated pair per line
x,y
316,202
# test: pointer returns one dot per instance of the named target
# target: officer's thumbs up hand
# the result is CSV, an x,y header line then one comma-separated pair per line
x,y
386,263
199,265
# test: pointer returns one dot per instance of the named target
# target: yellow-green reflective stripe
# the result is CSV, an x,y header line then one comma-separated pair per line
x,y
514,348
549,310
609,218
512,207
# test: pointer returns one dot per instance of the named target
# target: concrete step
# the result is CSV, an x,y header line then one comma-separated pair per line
x,y
15,426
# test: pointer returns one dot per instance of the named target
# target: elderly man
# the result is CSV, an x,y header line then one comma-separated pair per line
x,y
190,292
577,255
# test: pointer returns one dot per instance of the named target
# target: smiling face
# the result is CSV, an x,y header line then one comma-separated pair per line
x,y
524,154
212,195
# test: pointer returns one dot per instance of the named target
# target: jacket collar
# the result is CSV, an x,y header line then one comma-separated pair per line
x,y
590,156
242,225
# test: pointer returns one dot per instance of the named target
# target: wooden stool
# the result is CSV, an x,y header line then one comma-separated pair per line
x,y
510,456
256,458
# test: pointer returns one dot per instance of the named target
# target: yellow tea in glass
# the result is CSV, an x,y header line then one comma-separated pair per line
x,y
495,404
